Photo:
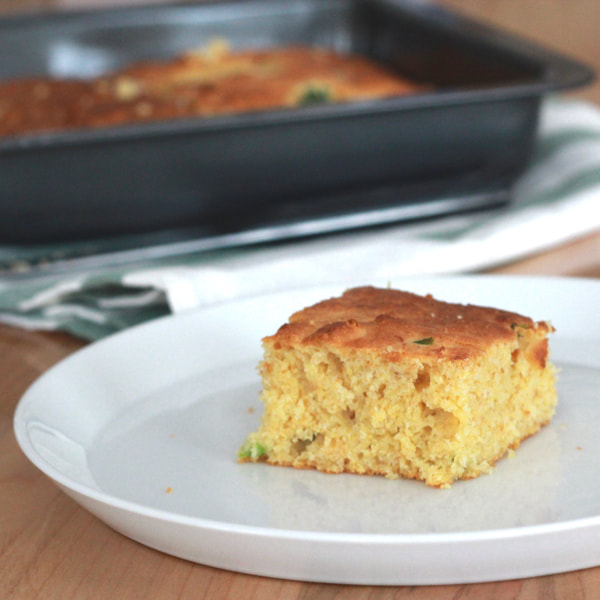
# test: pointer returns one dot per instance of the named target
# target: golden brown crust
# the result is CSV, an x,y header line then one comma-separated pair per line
x,y
539,352
194,84
400,324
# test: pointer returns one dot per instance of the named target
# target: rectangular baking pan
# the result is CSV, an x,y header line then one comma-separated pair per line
x,y
253,177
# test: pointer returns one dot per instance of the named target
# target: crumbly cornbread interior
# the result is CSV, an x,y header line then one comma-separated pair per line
x,y
383,382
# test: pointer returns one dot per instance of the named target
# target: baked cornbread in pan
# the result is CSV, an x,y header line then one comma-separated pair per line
x,y
235,179
386,382
208,82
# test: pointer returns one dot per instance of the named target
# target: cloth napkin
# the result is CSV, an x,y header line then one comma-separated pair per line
x,y
556,199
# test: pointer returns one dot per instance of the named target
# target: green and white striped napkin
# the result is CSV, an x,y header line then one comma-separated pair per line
x,y
557,199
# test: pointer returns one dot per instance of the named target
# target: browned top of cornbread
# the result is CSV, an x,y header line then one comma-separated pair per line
x,y
210,82
401,324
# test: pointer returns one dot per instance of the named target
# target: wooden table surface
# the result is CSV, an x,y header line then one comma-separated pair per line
x,y
50,548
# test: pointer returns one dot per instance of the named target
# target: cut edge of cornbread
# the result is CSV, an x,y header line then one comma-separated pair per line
x,y
383,382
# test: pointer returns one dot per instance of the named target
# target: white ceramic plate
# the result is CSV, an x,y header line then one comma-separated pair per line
x,y
143,428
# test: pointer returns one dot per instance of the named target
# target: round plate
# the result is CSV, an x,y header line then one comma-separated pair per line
x,y
143,428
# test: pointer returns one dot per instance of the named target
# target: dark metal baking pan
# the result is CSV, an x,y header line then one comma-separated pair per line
x,y
467,138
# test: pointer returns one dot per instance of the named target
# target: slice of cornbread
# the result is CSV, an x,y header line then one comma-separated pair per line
x,y
385,382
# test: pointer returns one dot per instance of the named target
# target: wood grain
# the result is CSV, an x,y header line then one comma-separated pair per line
x,y
568,26
51,549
